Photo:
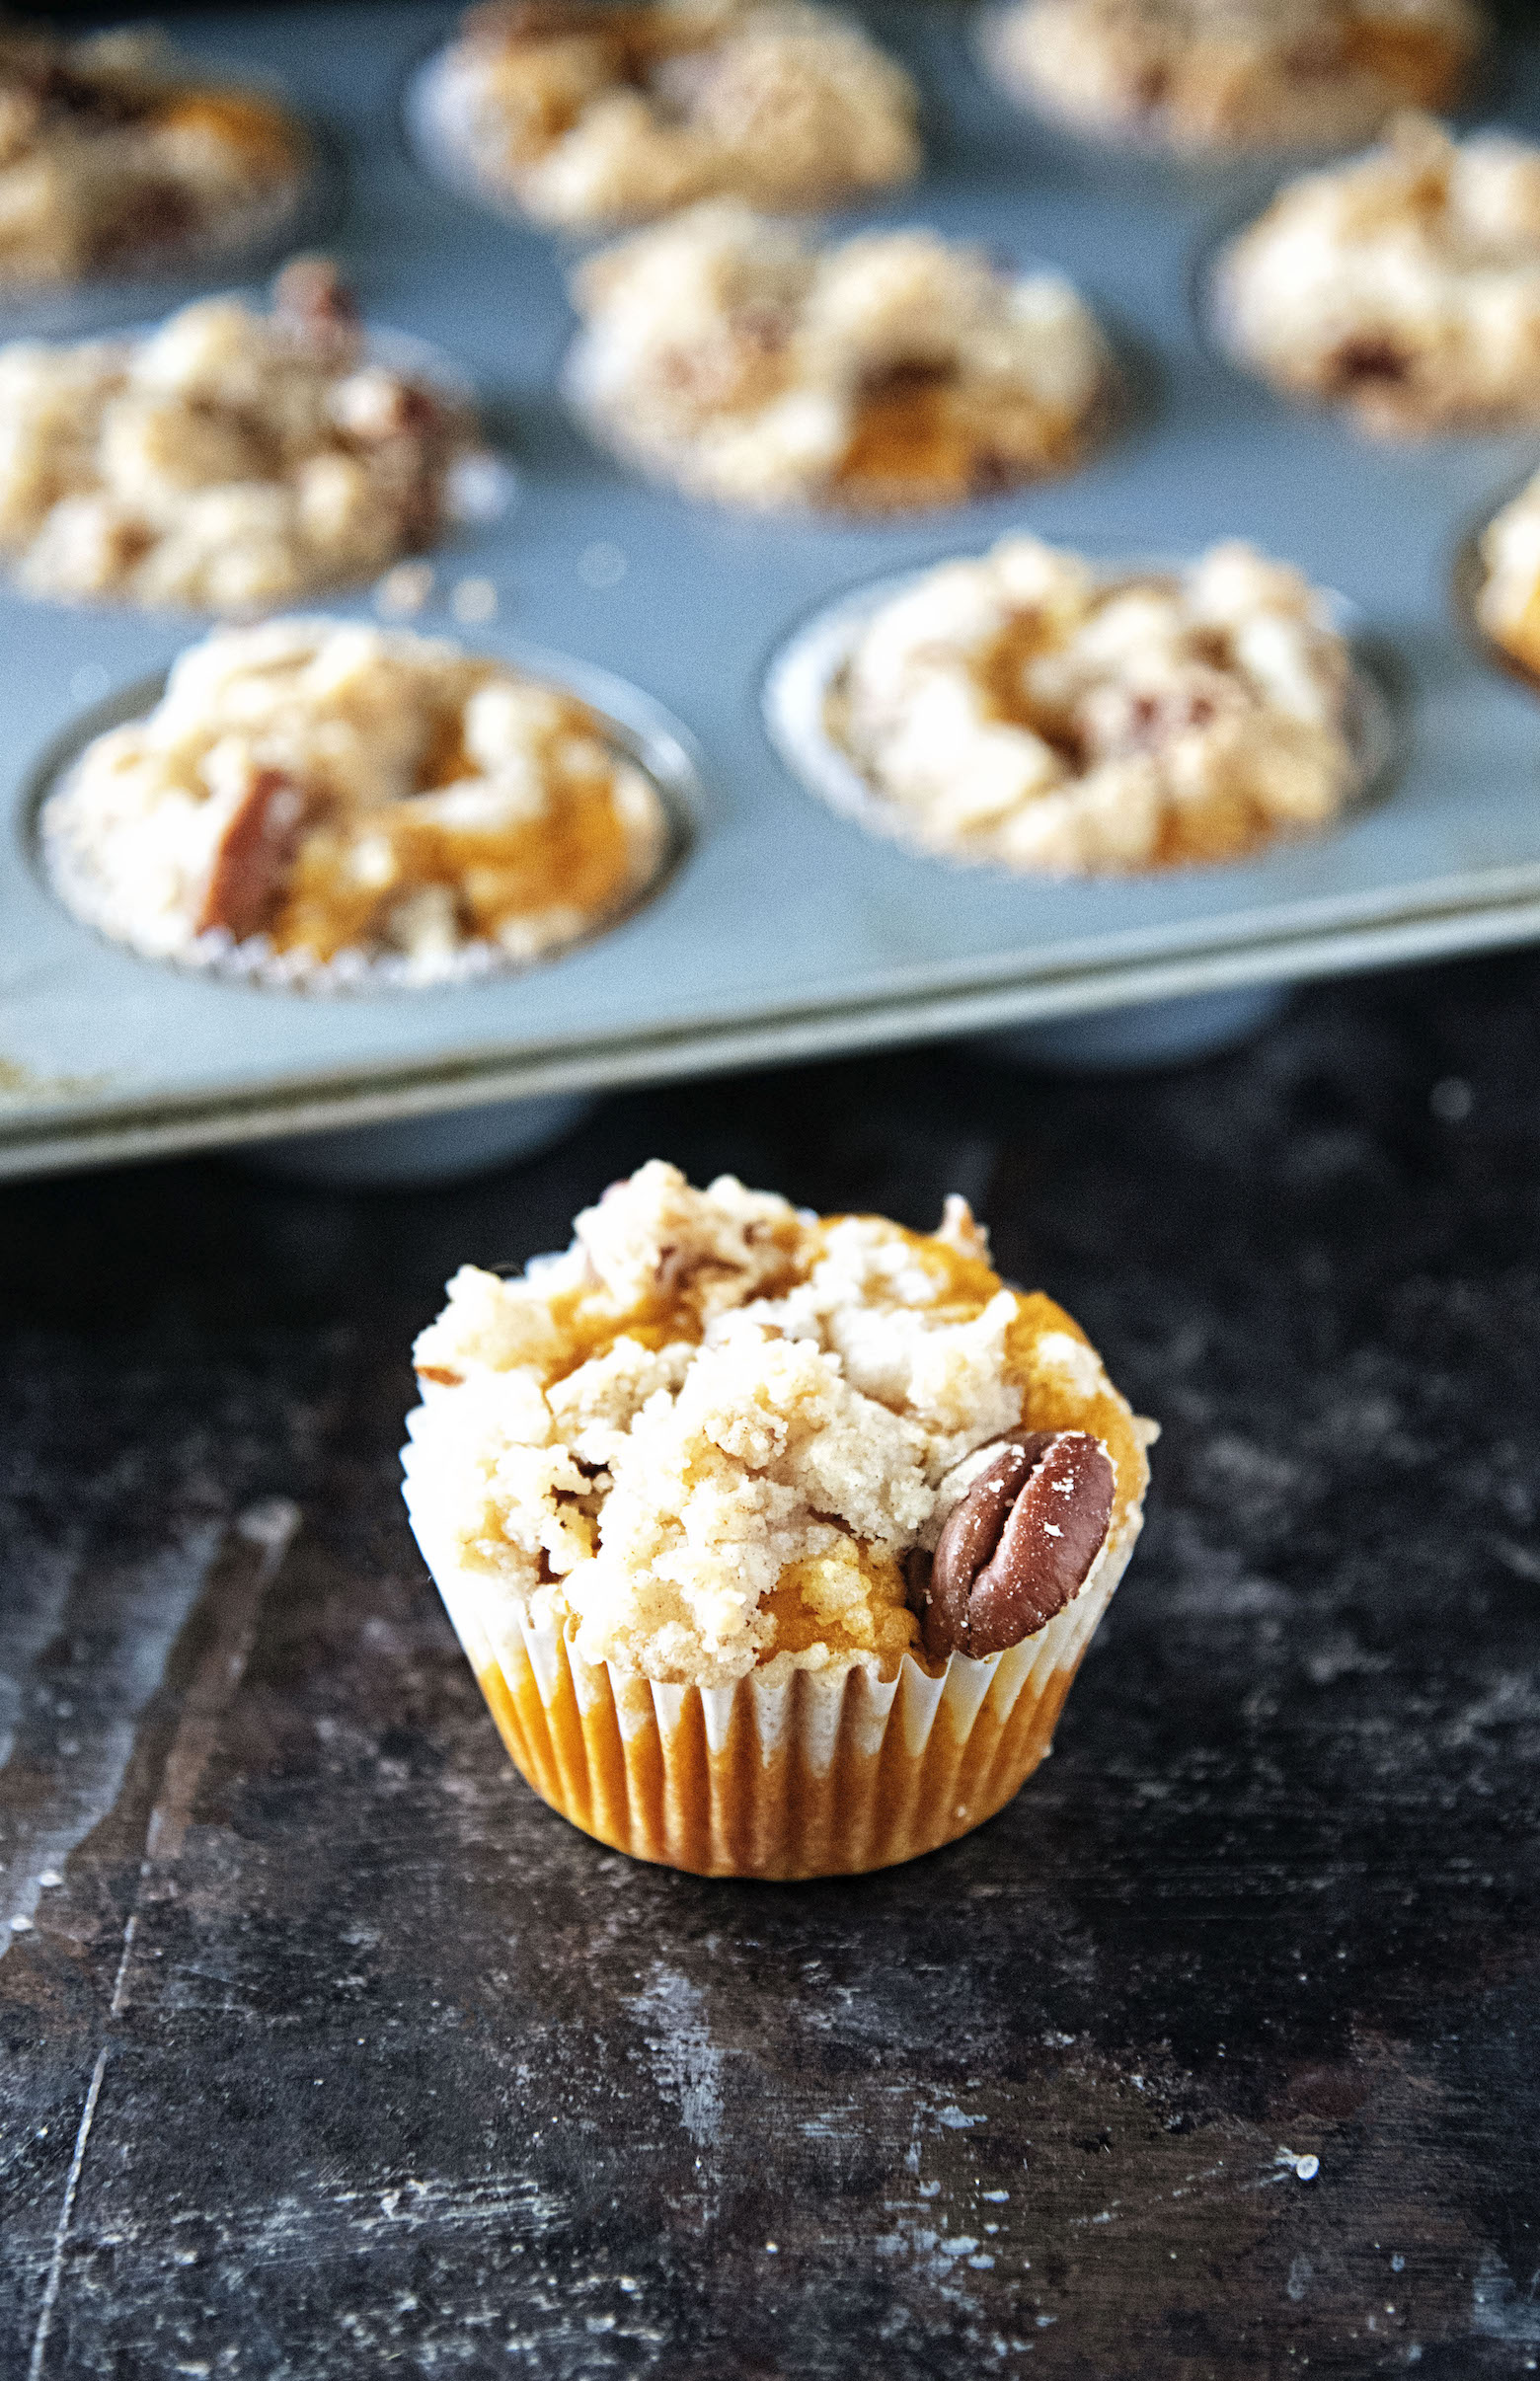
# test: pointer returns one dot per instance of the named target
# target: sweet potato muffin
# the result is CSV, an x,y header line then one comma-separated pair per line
x,y
774,1540
1211,76
117,156
314,798
1404,285
229,461
585,114
1032,711
890,371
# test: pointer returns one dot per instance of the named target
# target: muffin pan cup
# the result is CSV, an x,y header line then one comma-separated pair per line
x,y
786,931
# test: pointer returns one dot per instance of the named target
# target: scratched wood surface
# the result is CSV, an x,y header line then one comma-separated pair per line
x,y
328,2051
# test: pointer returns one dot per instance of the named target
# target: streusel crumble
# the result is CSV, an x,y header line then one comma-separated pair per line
x,y
712,1433
116,156
889,370
229,461
1197,76
1030,710
587,113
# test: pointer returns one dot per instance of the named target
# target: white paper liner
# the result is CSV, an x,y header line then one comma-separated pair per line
x,y
806,673
831,1772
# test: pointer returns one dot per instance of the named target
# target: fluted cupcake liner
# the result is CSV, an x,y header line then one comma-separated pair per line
x,y
827,1774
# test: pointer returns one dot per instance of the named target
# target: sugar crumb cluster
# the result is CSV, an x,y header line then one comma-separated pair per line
x,y
707,1436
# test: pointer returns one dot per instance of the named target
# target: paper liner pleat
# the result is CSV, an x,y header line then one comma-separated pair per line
x,y
827,1772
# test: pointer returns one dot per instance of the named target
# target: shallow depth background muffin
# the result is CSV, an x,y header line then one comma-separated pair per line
x,y
1508,603
117,155
595,114
1405,285
1218,75
713,1497
1028,709
230,460
889,370
317,794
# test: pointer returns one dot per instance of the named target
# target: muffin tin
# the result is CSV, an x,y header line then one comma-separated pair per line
x,y
785,930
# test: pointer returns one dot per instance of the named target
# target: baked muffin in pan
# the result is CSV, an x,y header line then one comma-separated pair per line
x,y
1404,285
327,804
119,156
1213,78
1507,580
885,372
232,459
1044,713
775,1540
581,113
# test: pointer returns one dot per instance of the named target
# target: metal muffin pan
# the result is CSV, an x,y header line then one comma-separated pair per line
x,y
787,930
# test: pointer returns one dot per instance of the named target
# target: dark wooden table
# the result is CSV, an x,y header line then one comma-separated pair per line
x,y
328,2051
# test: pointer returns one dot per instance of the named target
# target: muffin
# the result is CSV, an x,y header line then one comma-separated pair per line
x,y
890,371
1404,285
117,156
1212,77
231,460
774,1541
583,114
1508,603
1030,710
319,802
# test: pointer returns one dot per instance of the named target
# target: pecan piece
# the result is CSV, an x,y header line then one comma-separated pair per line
x,y
1369,356
1019,1545
253,856
312,293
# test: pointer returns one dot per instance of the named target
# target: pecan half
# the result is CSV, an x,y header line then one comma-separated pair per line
x,y
254,857
1020,1543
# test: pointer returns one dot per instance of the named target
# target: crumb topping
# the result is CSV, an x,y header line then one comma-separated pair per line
x,y
328,788
1217,75
114,153
593,114
1405,285
1022,709
895,369
230,460
705,1438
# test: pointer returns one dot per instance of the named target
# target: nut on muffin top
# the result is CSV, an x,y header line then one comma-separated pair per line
x,y
587,114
